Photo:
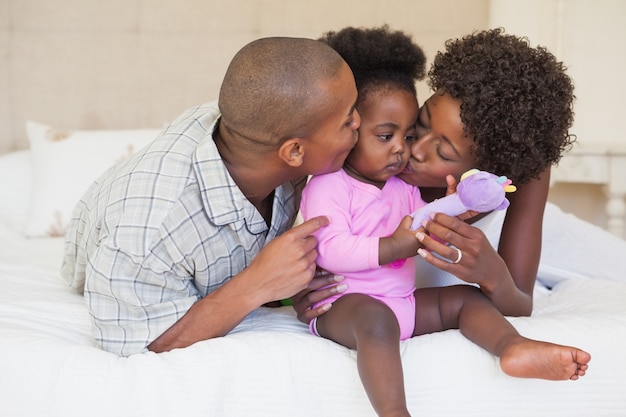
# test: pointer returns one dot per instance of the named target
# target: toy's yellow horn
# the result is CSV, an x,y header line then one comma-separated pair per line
x,y
468,173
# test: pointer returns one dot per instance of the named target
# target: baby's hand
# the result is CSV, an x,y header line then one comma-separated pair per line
x,y
401,244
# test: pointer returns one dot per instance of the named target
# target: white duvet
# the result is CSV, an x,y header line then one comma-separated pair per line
x,y
271,366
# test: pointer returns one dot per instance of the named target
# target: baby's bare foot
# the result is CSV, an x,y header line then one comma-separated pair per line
x,y
526,358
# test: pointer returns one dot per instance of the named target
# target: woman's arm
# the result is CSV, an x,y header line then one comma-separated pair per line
x,y
507,276
520,239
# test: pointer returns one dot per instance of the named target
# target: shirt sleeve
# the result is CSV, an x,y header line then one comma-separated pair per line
x,y
134,299
340,250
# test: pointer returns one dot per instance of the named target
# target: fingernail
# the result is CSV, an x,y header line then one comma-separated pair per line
x,y
432,215
420,236
424,223
338,278
421,252
326,307
341,288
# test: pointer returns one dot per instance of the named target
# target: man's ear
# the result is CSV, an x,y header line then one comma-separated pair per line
x,y
292,152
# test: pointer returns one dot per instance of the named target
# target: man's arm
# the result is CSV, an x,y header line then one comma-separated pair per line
x,y
284,267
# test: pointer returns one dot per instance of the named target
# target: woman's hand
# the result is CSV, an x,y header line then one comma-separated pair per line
x,y
322,286
451,185
479,262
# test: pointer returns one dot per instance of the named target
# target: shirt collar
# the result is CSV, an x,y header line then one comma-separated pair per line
x,y
223,200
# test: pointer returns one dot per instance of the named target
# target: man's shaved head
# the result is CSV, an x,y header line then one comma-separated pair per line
x,y
271,90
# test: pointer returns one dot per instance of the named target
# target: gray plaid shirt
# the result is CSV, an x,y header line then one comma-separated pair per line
x,y
163,229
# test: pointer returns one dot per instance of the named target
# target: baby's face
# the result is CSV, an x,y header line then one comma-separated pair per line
x,y
387,130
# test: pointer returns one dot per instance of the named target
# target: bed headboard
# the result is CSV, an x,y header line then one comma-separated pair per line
x,y
127,64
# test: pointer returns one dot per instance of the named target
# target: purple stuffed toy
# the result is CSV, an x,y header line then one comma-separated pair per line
x,y
477,191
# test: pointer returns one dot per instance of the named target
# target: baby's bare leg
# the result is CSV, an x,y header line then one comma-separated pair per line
x,y
369,326
466,308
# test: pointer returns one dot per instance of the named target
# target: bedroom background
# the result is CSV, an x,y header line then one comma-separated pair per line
x,y
128,64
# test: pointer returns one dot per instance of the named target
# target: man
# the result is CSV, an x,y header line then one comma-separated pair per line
x,y
179,243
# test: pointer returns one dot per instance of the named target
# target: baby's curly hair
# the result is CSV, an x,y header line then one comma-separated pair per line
x,y
516,101
379,57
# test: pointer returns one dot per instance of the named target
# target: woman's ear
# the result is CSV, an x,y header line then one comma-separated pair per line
x,y
292,152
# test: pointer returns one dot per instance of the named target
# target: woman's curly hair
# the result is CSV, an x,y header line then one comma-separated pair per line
x,y
516,101
379,57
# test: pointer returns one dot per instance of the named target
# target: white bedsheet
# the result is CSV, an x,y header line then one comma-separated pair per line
x,y
271,366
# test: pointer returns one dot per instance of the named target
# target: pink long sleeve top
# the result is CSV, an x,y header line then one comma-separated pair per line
x,y
360,215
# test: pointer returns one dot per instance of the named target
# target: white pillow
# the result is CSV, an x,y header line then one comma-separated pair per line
x,y
15,188
64,165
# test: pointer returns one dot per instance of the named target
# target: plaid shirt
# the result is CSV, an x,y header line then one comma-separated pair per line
x,y
163,229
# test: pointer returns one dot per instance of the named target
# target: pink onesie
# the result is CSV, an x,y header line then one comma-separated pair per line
x,y
361,214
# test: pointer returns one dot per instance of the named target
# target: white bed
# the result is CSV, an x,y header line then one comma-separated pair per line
x,y
270,365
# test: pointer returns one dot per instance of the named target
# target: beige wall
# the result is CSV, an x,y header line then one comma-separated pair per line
x,y
138,63
80,64
588,36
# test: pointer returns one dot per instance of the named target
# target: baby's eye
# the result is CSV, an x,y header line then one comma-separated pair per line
x,y
385,137
410,138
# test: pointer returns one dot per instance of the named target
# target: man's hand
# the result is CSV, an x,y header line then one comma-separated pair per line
x,y
287,264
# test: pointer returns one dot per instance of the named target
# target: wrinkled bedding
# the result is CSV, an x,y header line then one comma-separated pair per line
x,y
271,366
